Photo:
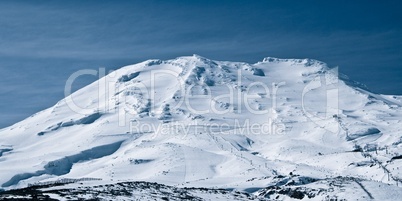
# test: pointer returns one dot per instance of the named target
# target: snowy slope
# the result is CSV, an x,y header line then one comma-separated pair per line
x,y
195,122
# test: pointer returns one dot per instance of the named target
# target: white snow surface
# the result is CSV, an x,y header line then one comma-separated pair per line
x,y
195,122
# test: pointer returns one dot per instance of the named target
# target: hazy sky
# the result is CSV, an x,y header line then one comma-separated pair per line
x,y
43,42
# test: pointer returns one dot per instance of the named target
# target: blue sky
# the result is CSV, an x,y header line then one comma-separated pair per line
x,y
43,42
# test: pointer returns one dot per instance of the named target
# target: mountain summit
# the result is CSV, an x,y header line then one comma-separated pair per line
x,y
276,129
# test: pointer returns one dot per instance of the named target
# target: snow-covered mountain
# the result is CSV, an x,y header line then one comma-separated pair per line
x,y
277,129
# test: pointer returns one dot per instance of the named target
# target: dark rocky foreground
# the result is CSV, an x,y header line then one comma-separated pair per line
x,y
121,191
293,187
